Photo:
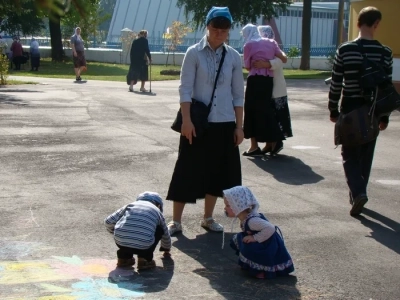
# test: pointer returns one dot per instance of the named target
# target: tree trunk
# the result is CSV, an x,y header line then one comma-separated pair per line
x,y
57,51
306,35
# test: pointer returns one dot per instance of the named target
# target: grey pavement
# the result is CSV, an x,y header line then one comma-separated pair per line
x,y
71,154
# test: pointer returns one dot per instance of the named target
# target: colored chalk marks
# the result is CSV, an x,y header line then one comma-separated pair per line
x,y
71,278
89,288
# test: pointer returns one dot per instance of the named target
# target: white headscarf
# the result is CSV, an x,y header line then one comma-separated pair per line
x,y
250,33
76,33
241,198
266,31
34,44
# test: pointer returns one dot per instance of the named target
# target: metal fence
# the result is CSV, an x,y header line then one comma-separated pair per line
x,y
161,45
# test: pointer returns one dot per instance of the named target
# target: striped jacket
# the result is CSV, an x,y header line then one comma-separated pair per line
x,y
134,226
345,74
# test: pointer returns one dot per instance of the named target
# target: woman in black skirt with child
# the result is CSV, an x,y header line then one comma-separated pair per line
x,y
209,164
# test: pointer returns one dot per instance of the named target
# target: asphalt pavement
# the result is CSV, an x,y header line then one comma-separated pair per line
x,y
71,154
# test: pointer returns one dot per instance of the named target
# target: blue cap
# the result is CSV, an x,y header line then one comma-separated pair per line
x,y
216,12
151,197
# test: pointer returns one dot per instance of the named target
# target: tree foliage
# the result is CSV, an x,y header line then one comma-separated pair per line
x,y
88,25
174,37
243,12
26,21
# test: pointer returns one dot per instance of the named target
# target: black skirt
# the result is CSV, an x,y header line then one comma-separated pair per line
x,y
138,70
283,115
259,111
208,166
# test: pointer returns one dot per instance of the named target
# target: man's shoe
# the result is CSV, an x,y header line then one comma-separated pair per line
x,y
358,204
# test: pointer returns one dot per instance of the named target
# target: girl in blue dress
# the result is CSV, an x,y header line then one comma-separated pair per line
x,y
260,245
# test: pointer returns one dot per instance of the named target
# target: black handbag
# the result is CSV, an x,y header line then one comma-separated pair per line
x,y
357,127
387,100
198,110
376,85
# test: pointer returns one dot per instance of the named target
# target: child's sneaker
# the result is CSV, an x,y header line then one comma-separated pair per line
x,y
125,262
174,227
144,264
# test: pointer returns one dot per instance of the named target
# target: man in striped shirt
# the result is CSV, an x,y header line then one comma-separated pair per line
x,y
137,228
357,161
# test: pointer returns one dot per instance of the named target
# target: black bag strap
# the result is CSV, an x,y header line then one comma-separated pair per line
x,y
364,55
216,77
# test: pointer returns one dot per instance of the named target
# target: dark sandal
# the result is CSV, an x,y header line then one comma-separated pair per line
x,y
278,148
256,152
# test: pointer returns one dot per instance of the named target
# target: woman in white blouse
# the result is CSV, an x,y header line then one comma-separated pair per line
x,y
209,164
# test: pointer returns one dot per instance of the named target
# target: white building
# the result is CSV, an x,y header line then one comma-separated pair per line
x,y
156,15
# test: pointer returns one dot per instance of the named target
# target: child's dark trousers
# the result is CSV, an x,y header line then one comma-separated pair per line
x,y
127,252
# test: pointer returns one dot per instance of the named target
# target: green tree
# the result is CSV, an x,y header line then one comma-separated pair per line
x,y
26,21
55,6
88,25
293,53
174,37
306,35
242,11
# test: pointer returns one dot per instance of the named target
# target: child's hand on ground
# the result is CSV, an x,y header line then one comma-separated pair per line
x,y
249,239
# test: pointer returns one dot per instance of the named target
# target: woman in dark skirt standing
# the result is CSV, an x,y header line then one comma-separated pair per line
x,y
140,55
279,93
260,124
209,164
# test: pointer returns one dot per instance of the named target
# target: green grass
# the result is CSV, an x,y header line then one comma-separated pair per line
x,y
18,82
117,72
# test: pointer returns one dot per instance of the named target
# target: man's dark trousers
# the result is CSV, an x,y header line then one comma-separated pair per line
x,y
357,163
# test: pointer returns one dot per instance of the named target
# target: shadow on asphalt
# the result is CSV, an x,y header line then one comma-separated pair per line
x,y
145,93
389,237
17,91
220,267
287,169
154,280
11,99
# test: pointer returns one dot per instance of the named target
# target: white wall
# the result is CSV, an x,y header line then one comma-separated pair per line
x,y
290,30
117,57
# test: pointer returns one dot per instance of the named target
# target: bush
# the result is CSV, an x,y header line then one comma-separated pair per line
x,y
4,63
293,53
170,72
331,59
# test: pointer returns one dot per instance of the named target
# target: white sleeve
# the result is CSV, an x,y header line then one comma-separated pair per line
x,y
188,75
276,63
265,228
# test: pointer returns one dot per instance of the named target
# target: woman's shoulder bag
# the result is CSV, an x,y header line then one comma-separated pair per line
x,y
198,110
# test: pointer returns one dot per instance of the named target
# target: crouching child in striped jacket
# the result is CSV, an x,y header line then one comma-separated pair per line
x,y
137,229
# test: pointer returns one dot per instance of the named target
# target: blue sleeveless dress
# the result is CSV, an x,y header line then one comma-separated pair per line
x,y
270,256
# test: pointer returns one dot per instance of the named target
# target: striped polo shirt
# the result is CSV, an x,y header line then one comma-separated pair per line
x,y
134,225
345,73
